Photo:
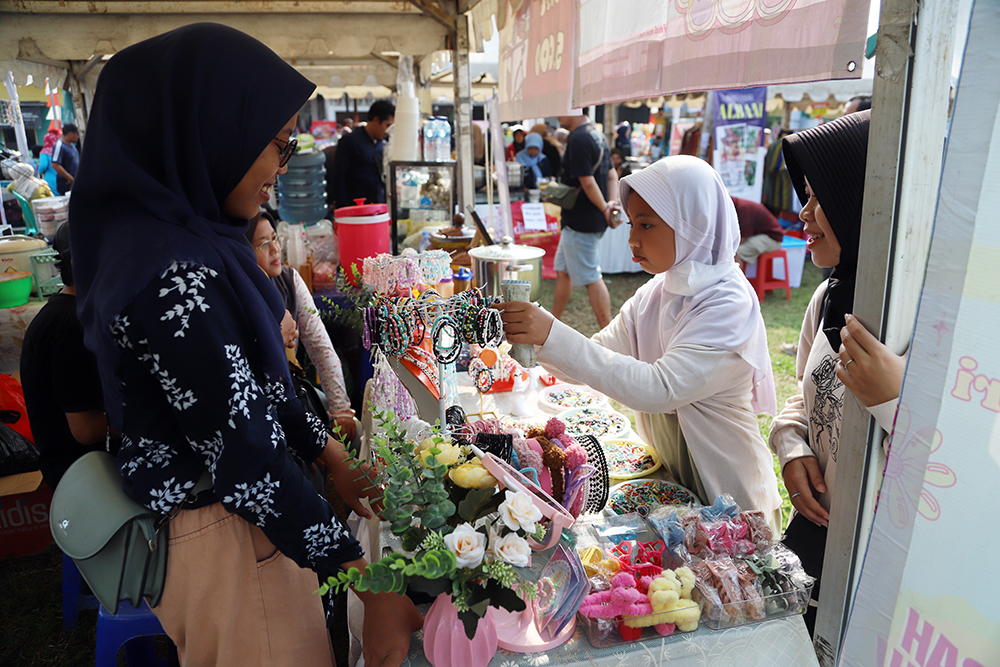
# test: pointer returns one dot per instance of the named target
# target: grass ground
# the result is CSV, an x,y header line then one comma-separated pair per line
x,y
30,588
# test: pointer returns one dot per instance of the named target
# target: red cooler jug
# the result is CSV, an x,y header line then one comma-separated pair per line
x,y
362,231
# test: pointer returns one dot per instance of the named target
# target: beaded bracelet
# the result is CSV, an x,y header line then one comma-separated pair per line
x,y
446,327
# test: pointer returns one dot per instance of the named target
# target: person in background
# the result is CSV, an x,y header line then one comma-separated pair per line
x,y
478,145
517,132
357,164
185,327
688,352
760,231
551,148
311,330
657,147
45,169
587,165
66,158
561,135
835,352
533,158
622,167
858,103
62,387
623,139
346,126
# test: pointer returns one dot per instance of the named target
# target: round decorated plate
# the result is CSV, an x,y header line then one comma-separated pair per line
x,y
644,495
628,459
561,397
598,422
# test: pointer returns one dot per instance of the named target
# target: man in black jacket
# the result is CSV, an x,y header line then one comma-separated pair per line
x,y
357,163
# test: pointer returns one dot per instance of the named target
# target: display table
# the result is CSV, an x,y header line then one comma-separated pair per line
x,y
13,323
783,642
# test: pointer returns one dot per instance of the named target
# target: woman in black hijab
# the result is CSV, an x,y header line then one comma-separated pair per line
x,y
186,331
827,167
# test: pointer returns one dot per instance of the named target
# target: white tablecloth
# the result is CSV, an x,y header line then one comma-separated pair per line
x,y
780,643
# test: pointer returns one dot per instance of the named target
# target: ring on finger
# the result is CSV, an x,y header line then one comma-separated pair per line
x,y
795,495
849,362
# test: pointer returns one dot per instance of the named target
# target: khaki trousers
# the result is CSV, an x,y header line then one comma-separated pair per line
x,y
232,599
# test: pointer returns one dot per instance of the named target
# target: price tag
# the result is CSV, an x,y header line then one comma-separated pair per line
x,y
534,217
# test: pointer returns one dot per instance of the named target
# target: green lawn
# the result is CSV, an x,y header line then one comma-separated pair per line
x,y
30,606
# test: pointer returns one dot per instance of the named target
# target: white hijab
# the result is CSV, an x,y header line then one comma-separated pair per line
x,y
690,197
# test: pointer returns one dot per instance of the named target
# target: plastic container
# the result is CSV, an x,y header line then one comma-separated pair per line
x,y
362,231
437,140
605,632
15,288
302,189
462,279
780,605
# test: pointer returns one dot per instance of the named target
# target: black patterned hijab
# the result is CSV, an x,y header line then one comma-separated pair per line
x,y
177,121
833,156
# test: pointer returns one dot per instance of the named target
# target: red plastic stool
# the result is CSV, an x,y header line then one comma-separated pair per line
x,y
765,281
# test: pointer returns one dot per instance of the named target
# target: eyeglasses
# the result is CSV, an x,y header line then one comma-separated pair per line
x,y
263,247
286,151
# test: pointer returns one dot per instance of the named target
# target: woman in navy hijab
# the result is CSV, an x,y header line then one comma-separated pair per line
x,y
186,331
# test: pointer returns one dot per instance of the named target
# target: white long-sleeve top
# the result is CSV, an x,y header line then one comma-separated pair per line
x,y
709,388
313,335
809,423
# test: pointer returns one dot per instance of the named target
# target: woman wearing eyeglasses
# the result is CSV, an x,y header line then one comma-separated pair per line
x,y
185,327
312,331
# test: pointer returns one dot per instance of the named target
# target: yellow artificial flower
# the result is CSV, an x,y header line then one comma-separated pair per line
x,y
472,475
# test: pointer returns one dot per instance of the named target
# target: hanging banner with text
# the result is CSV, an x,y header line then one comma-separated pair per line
x,y
740,119
536,60
927,595
630,49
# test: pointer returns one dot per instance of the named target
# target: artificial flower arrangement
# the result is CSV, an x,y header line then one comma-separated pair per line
x,y
460,535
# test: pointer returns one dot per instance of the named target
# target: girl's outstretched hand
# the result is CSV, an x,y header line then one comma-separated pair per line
x,y
869,369
525,322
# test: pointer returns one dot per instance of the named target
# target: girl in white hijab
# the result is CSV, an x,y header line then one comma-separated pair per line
x,y
688,352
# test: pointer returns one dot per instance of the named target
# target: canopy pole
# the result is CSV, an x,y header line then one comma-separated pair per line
x,y
910,96
463,115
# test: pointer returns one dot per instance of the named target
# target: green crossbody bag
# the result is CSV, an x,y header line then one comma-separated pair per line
x,y
119,546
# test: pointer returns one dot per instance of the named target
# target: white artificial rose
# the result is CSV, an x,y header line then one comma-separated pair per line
x,y
513,549
468,545
519,511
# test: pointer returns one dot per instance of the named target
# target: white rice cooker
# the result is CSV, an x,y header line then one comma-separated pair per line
x,y
15,251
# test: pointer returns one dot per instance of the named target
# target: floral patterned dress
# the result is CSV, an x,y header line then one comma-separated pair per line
x,y
195,399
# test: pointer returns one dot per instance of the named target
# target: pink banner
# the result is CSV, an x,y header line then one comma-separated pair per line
x,y
646,48
536,60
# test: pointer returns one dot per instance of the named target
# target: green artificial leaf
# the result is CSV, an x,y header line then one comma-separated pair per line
x,y
473,502
412,536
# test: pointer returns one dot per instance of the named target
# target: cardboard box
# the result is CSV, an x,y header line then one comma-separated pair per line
x,y
24,514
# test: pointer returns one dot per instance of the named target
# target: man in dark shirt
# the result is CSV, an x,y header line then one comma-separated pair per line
x,y
62,388
357,163
66,158
586,164
760,231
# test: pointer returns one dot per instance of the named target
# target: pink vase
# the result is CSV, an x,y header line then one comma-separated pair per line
x,y
445,642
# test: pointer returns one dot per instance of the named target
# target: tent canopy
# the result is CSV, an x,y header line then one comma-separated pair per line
x,y
337,44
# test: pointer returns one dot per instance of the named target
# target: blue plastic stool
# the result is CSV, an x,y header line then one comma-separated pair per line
x,y
132,628
74,601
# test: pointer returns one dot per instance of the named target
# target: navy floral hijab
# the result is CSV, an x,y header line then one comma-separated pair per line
x,y
176,123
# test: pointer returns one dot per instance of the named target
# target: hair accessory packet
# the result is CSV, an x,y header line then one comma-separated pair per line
x,y
562,585
742,576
